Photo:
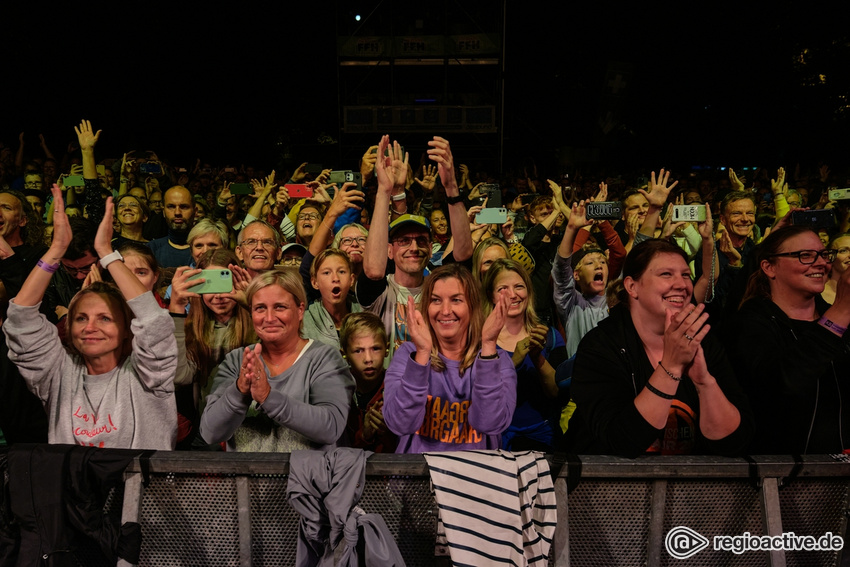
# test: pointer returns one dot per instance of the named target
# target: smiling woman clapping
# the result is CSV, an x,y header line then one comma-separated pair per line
x,y
450,389
649,379
286,392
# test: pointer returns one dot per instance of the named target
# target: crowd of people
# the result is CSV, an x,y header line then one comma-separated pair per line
x,y
152,306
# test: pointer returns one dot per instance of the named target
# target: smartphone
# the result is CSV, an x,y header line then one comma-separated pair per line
x,y
494,195
818,218
688,213
346,176
839,194
74,181
229,170
241,189
215,281
151,167
299,191
604,210
492,216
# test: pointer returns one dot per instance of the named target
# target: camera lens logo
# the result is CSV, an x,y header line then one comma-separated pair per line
x,y
682,542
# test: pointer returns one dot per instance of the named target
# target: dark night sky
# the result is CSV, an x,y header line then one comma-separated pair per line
x,y
705,84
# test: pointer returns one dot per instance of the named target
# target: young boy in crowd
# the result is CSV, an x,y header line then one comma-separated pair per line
x,y
365,345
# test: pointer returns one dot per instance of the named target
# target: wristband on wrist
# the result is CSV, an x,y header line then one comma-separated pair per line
x,y
49,268
109,258
488,356
454,200
400,197
835,327
658,392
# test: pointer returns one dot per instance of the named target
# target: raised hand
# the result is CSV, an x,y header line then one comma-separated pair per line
x,y
299,174
667,226
603,193
225,194
441,152
86,136
391,169
92,276
537,338
429,178
632,226
464,176
659,190
367,163
778,185
578,216
181,288
419,332
507,229
706,227
737,184
725,245
495,322
241,277
251,370
320,193
61,227
684,331
103,238
281,202
347,197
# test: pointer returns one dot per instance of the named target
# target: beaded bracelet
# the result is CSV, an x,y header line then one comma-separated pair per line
x,y
670,374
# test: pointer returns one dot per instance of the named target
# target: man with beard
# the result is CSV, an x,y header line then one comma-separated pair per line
x,y
172,251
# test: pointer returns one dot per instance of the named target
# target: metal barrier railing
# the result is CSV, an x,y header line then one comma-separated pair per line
x,y
230,509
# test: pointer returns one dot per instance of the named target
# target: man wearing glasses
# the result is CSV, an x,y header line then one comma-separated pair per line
x,y
258,247
407,239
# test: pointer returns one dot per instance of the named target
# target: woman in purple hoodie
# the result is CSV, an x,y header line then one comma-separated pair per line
x,y
450,388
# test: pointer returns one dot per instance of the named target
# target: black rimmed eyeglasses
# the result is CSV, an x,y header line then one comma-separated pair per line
x,y
809,256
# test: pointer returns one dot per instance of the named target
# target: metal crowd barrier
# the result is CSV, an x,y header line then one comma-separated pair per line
x,y
210,509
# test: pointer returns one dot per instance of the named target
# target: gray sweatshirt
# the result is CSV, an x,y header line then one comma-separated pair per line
x,y
307,407
130,407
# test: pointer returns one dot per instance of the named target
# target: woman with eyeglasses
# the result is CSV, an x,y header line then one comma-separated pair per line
x,y
792,350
